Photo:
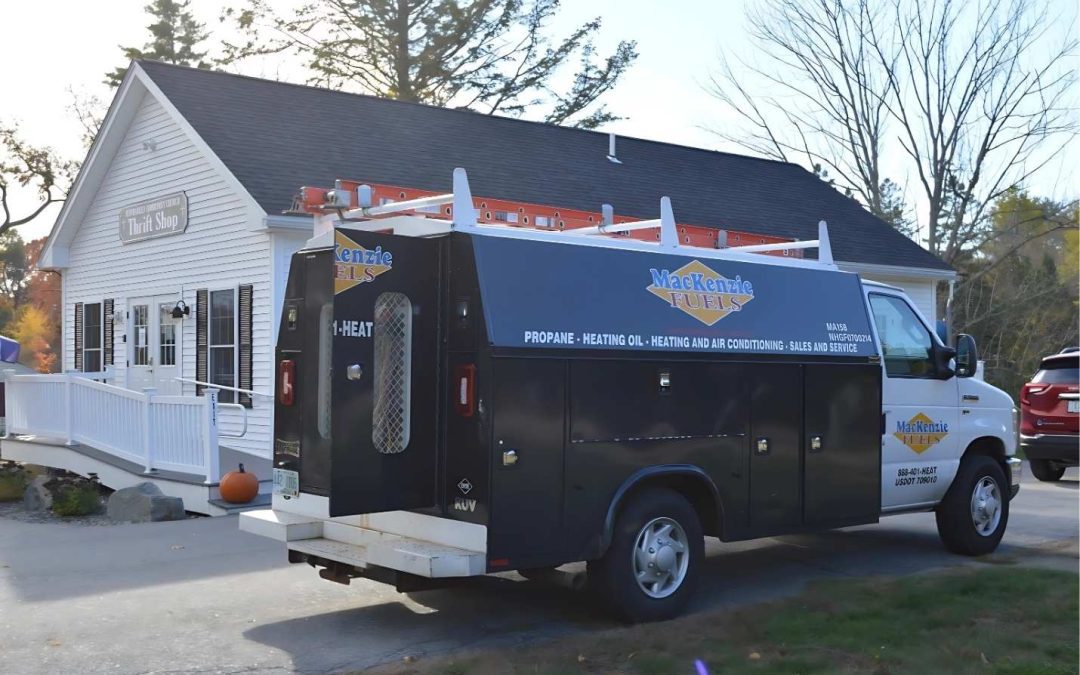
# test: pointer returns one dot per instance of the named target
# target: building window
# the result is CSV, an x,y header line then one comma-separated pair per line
x,y
222,342
140,319
167,344
91,338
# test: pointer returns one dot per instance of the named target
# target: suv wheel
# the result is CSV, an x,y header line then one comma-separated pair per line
x,y
1045,470
971,519
651,567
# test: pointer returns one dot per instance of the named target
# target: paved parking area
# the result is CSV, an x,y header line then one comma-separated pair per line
x,y
200,596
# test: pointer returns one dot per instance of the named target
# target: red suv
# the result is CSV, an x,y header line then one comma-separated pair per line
x,y
1049,415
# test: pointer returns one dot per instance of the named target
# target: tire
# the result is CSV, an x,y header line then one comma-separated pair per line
x,y
1045,470
970,523
655,515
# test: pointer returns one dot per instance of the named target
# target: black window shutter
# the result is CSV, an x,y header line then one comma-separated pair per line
x,y
107,332
244,339
202,315
78,336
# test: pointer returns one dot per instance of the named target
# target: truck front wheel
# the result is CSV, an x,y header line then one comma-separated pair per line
x,y
971,519
651,567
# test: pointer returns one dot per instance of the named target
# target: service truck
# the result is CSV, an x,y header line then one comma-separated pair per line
x,y
461,394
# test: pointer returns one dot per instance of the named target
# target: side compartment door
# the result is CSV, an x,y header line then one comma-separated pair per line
x,y
385,372
841,444
775,454
920,446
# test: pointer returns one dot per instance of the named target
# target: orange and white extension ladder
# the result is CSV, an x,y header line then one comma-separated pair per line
x,y
351,194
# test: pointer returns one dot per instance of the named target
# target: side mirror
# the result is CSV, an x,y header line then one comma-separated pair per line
x,y
967,356
942,356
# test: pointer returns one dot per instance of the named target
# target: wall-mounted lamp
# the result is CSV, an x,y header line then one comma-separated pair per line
x,y
117,318
180,310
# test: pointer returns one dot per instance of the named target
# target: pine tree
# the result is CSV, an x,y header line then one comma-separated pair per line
x,y
491,56
176,36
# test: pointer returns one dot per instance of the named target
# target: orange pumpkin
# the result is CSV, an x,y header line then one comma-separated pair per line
x,y
239,487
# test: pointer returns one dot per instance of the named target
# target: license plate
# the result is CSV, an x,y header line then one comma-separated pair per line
x,y
286,483
1074,406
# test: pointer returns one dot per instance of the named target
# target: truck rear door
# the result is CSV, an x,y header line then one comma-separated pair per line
x,y
384,372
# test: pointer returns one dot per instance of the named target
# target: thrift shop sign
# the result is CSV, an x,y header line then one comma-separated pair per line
x,y
156,218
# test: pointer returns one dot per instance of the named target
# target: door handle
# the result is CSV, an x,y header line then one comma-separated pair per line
x,y
970,397
761,446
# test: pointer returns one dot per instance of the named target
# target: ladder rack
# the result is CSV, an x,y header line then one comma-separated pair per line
x,y
356,201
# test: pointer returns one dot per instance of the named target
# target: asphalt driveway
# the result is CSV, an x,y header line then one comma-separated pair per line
x,y
200,596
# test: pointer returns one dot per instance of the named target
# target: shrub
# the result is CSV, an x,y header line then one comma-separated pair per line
x,y
12,482
77,499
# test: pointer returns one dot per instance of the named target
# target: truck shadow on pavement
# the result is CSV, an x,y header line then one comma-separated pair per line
x,y
503,611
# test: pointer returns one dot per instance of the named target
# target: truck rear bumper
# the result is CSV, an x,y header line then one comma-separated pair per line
x,y
325,541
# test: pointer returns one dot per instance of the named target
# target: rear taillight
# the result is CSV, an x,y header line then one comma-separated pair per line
x,y
286,382
1031,389
465,389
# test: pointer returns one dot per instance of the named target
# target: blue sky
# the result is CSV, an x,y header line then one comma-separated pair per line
x,y
72,43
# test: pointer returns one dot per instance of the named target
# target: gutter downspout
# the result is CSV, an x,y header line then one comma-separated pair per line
x,y
949,328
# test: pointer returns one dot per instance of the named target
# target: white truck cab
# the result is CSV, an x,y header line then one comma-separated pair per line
x,y
933,419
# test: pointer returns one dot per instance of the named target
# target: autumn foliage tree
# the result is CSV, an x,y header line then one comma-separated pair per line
x,y
36,333
29,302
1019,292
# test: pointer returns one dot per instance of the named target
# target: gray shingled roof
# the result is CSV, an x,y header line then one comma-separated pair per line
x,y
276,137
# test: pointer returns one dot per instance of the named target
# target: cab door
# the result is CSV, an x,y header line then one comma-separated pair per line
x,y
920,443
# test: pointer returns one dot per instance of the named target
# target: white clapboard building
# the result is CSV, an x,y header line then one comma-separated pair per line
x,y
174,247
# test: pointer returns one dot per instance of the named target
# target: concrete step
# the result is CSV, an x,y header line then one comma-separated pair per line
x,y
261,501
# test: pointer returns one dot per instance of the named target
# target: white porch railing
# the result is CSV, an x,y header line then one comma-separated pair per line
x,y
175,433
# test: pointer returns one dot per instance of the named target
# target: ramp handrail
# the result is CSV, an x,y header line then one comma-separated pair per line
x,y
172,433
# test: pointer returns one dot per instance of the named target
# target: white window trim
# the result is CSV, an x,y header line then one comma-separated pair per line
x,y
129,313
236,334
100,349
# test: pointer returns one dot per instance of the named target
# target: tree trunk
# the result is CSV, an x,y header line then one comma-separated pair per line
x,y
405,90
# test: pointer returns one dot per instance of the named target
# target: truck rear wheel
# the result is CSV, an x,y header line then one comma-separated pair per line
x,y
1045,470
651,567
971,519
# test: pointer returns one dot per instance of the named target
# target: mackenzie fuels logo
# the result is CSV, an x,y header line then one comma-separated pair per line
x,y
354,264
920,433
701,292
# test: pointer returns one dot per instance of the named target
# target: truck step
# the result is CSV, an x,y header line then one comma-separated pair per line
x,y
397,553
279,525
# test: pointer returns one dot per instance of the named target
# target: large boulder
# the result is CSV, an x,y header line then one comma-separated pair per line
x,y
38,497
144,503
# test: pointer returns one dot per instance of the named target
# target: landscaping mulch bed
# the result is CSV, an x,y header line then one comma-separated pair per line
x,y
16,511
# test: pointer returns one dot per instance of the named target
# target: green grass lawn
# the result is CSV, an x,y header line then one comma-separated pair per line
x,y
984,620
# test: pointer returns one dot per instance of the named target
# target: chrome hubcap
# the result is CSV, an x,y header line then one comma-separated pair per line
x,y
661,557
986,506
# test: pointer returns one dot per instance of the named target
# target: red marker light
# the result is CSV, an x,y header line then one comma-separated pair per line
x,y
465,389
286,382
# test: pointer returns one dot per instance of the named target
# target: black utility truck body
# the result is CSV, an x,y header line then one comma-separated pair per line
x,y
460,399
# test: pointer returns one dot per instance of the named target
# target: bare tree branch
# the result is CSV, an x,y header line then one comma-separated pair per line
x,y
34,169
